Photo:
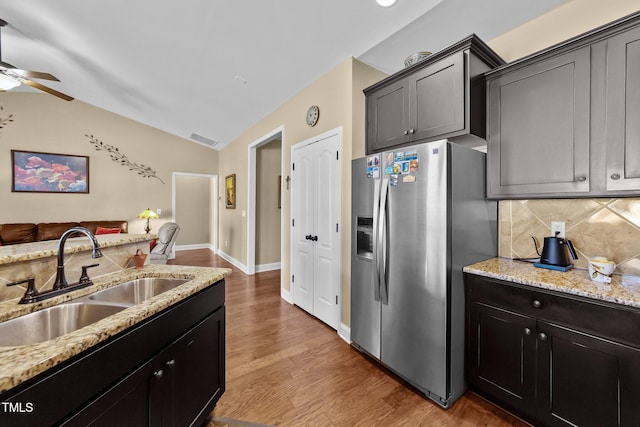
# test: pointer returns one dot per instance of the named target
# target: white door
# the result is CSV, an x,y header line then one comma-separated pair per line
x,y
316,228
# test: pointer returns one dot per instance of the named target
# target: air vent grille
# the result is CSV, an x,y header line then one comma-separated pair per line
x,y
204,140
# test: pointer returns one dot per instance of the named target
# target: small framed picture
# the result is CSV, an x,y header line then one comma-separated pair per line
x,y
230,191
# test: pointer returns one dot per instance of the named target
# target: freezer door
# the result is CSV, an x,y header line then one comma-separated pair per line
x,y
414,313
365,293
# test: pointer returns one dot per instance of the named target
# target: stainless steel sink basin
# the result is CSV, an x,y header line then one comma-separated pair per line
x,y
136,291
52,322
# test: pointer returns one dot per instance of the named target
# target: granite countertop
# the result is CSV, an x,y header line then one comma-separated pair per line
x,y
623,289
24,362
37,250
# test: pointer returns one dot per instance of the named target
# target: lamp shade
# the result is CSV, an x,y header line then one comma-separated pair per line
x,y
148,213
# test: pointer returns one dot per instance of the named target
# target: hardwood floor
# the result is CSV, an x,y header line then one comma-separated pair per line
x,y
286,368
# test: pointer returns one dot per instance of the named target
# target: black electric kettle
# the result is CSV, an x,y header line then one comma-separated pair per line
x,y
554,251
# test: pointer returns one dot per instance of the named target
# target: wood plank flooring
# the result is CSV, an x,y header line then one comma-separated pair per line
x,y
286,368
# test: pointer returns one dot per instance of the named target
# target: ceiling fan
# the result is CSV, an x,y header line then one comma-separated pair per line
x,y
11,76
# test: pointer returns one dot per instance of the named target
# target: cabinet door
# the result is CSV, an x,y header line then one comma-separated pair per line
x,y
195,373
388,117
437,99
501,359
127,403
585,380
623,111
539,128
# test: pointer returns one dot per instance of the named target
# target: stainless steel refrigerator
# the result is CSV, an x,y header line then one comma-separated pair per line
x,y
419,215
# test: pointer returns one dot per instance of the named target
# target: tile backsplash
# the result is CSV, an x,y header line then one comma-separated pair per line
x,y
596,227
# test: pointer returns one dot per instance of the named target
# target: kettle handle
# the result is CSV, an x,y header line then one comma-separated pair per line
x,y
572,250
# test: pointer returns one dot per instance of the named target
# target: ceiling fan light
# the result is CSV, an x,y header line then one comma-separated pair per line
x,y
8,83
386,3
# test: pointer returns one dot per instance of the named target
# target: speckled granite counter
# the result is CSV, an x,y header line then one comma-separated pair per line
x,y
623,289
24,362
36,250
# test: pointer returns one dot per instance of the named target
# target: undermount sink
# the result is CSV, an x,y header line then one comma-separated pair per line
x,y
52,322
136,291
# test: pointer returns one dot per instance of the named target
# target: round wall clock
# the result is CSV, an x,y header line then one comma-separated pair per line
x,y
313,114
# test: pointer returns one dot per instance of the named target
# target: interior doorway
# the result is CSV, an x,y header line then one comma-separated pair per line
x,y
276,134
195,210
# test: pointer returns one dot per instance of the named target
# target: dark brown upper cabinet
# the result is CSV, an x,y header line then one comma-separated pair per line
x,y
440,97
561,122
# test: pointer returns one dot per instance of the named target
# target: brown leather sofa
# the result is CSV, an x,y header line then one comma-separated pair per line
x,y
11,234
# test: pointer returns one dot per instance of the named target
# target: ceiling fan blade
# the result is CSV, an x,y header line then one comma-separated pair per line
x,y
35,74
47,89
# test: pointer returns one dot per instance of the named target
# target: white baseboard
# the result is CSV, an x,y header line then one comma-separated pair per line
x,y
286,295
268,267
196,246
344,332
240,266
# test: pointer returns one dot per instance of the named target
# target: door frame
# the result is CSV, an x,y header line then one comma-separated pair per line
x,y
277,133
214,209
333,132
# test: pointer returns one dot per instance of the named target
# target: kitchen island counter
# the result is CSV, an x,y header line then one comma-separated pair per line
x,y
24,362
623,289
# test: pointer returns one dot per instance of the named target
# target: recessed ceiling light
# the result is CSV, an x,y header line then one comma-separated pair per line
x,y
386,3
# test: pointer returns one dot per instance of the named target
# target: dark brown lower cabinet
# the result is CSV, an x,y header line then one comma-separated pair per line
x,y
542,355
168,370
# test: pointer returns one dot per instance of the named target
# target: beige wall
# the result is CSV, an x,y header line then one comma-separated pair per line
x,y
339,96
569,20
193,209
268,229
44,123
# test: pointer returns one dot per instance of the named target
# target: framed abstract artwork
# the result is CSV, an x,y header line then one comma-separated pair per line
x,y
230,191
35,172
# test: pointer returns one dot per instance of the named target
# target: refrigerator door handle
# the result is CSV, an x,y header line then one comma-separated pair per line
x,y
376,219
383,243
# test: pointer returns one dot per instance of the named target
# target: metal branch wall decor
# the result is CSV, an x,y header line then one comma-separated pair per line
x,y
118,157
5,120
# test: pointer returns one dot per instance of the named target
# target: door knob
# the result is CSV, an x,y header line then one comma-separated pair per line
x,y
314,238
582,178
307,237
527,331
615,176
536,303
542,336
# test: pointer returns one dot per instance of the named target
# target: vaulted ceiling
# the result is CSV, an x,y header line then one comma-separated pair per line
x,y
215,68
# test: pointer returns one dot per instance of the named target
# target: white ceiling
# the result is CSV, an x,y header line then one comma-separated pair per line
x,y
216,68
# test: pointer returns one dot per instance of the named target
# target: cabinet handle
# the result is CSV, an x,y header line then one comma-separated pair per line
x,y
406,132
158,374
542,336
412,131
582,178
171,362
527,331
615,176
536,303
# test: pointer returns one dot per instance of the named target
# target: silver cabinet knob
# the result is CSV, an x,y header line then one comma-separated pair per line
x,y
615,176
406,132
582,178
170,363
542,336
527,331
412,131
536,303
158,374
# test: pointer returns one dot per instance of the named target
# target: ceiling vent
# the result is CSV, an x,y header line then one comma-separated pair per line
x,y
204,140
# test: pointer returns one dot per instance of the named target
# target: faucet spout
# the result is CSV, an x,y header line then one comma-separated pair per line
x,y
61,280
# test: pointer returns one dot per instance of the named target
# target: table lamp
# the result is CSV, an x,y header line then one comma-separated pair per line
x,y
148,214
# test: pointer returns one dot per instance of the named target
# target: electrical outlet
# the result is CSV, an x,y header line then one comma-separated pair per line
x,y
159,211
557,227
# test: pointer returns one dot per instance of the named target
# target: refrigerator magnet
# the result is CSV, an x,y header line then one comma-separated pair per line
x,y
397,168
388,170
373,172
388,159
411,155
399,156
405,167
409,178
413,165
393,180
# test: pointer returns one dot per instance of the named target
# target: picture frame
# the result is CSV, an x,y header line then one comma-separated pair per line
x,y
230,191
39,172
